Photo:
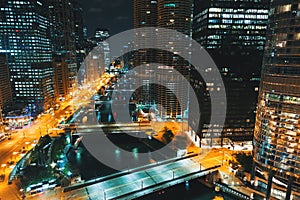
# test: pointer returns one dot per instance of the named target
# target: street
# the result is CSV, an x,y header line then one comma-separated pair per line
x,y
23,140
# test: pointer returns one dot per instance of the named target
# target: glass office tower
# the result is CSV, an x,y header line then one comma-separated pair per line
x,y
25,41
277,130
234,34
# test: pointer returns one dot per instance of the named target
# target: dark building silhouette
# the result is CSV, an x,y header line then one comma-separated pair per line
x,y
6,100
234,36
66,32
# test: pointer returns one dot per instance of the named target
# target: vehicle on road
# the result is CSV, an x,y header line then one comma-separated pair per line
x,y
2,137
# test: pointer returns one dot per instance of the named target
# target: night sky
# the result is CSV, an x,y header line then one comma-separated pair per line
x,y
115,15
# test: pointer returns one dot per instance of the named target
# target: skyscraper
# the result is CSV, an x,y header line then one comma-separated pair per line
x,y
62,30
175,15
25,42
5,87
234,36
101,34
145,15
61,77
78,23
276,137
64,36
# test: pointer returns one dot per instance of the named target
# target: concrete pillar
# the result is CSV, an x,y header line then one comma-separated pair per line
x,y
269,187
253,171
289,188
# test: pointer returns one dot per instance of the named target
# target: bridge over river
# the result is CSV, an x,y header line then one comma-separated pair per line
x,y
141,181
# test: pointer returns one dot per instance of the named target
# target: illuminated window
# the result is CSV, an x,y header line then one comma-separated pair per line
x,y
170,5
285,8
297,36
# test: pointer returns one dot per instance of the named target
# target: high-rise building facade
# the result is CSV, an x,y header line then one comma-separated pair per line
x,y
6,100
223,24
276,137
234,34
175,15
61,77
101,34
145,15
25,42
62,30
65,31
78,23
100,40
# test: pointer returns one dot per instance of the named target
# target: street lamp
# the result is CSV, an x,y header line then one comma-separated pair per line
x,y
53,164
223,155
15,155
27,143
4,167
40,131
1,119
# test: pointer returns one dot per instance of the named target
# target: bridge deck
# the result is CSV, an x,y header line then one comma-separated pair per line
x,y
114,128
141,182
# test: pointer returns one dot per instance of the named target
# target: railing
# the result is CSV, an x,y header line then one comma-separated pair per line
x,y
119,174
224,188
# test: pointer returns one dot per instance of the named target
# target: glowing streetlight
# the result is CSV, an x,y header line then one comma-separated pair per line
x,y
53,164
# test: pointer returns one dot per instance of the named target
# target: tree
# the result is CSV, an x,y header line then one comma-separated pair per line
x,y
246,160
58,148
168,135
36,174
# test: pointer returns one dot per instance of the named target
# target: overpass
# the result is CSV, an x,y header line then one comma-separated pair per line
x,y
112,128
140,182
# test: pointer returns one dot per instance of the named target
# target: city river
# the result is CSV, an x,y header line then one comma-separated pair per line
x,y
90,168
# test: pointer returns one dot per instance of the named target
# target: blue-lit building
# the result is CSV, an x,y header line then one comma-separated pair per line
x,y
24,39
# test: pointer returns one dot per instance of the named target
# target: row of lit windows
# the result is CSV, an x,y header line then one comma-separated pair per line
x,y
19,2
229,26
232,10
15,52
238,16
229,21
13,26
285,99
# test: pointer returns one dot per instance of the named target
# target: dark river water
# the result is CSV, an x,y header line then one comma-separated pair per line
x,y
90,168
